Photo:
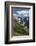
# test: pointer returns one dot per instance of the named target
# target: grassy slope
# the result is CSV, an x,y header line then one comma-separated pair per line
x,y
19,30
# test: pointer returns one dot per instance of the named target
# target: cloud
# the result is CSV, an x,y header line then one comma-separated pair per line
x,y
15,14
24,13
21,12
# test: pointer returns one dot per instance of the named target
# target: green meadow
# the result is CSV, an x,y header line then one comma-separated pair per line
x,y
20,30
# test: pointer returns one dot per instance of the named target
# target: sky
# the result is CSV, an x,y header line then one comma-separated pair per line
x,y
20,11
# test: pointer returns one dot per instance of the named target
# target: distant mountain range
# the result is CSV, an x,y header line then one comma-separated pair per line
x,y
22,20
25,18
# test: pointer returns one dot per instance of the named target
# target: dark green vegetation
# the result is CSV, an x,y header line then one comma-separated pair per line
x,y
19,30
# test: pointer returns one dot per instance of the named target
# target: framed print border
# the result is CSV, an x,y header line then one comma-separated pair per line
x,y
7,3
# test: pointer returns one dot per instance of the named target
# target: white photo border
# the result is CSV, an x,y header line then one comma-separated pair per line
x,y
25,37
